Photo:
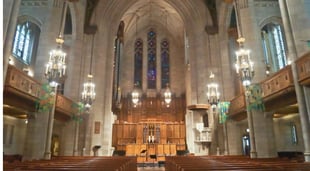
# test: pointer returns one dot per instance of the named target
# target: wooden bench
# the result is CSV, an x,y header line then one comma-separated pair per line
x,y
240,163
77,164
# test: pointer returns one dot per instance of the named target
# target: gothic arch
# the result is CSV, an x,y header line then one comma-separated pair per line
x,y
30,18
273,19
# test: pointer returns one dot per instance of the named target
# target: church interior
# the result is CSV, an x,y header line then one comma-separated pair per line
x,y
178,85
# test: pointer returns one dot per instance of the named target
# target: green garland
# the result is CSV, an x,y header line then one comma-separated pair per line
x,y
255,98
46,101
80,107
223,111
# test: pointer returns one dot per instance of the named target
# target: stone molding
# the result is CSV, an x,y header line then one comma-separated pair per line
x,y
34,3
266,3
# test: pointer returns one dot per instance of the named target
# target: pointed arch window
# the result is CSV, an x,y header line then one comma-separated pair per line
x,y
138,63
25,41
274,46
151,60
165,64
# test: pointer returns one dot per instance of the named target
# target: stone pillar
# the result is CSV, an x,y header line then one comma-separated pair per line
x,y
234,137
76,139
253,152
35,136
9,26
307,98
226,149
292,53
264,134
50,124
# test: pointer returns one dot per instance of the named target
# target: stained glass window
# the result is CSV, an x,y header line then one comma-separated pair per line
x,y
151,60
138,63
274,46
25,39
165,65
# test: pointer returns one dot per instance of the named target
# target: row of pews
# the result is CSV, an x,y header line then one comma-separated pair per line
x,y
85,163
232,163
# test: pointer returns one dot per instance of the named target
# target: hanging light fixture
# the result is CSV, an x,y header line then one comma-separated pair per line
x,y
167,96
135,96
212,92
244,64
56,67
89,94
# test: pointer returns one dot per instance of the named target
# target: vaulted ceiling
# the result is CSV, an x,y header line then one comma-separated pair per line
x,y
156,11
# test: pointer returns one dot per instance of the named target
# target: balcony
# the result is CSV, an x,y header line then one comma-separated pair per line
x,y
278,90
21,92
303,69
237,109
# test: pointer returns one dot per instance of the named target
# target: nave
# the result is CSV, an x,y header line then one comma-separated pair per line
x,y
173,163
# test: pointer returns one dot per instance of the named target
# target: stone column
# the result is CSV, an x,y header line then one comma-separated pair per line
x,y
292,54
307,98
50,124
264,134
226,150
253,152
9,26
35,136
76,138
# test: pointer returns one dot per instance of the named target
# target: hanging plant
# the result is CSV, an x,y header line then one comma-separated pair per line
x,y
255,98
80,108
223,111
46,101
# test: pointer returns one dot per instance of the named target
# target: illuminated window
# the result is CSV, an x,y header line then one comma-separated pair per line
x,y
165,65
274,46
138,63
151,60
25,41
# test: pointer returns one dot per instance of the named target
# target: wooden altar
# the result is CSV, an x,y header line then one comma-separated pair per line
x,y
152,136
150,126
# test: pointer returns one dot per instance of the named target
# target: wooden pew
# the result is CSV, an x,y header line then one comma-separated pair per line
x,y
77,164
233,163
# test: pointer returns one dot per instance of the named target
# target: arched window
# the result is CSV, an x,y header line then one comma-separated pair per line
x,y
151,60
138,63
274,46
25,41
165,65
68,22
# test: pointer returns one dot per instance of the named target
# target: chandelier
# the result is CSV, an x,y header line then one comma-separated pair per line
x,y
89,94
167,96
135,96
212,92
56,66
244,65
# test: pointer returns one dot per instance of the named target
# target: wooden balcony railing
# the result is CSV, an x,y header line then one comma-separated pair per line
x,y
303,69
21,85
278,84
237,109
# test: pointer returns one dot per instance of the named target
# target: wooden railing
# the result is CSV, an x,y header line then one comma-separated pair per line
x,y
20,81
280,83
237,106
23,85
303,69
